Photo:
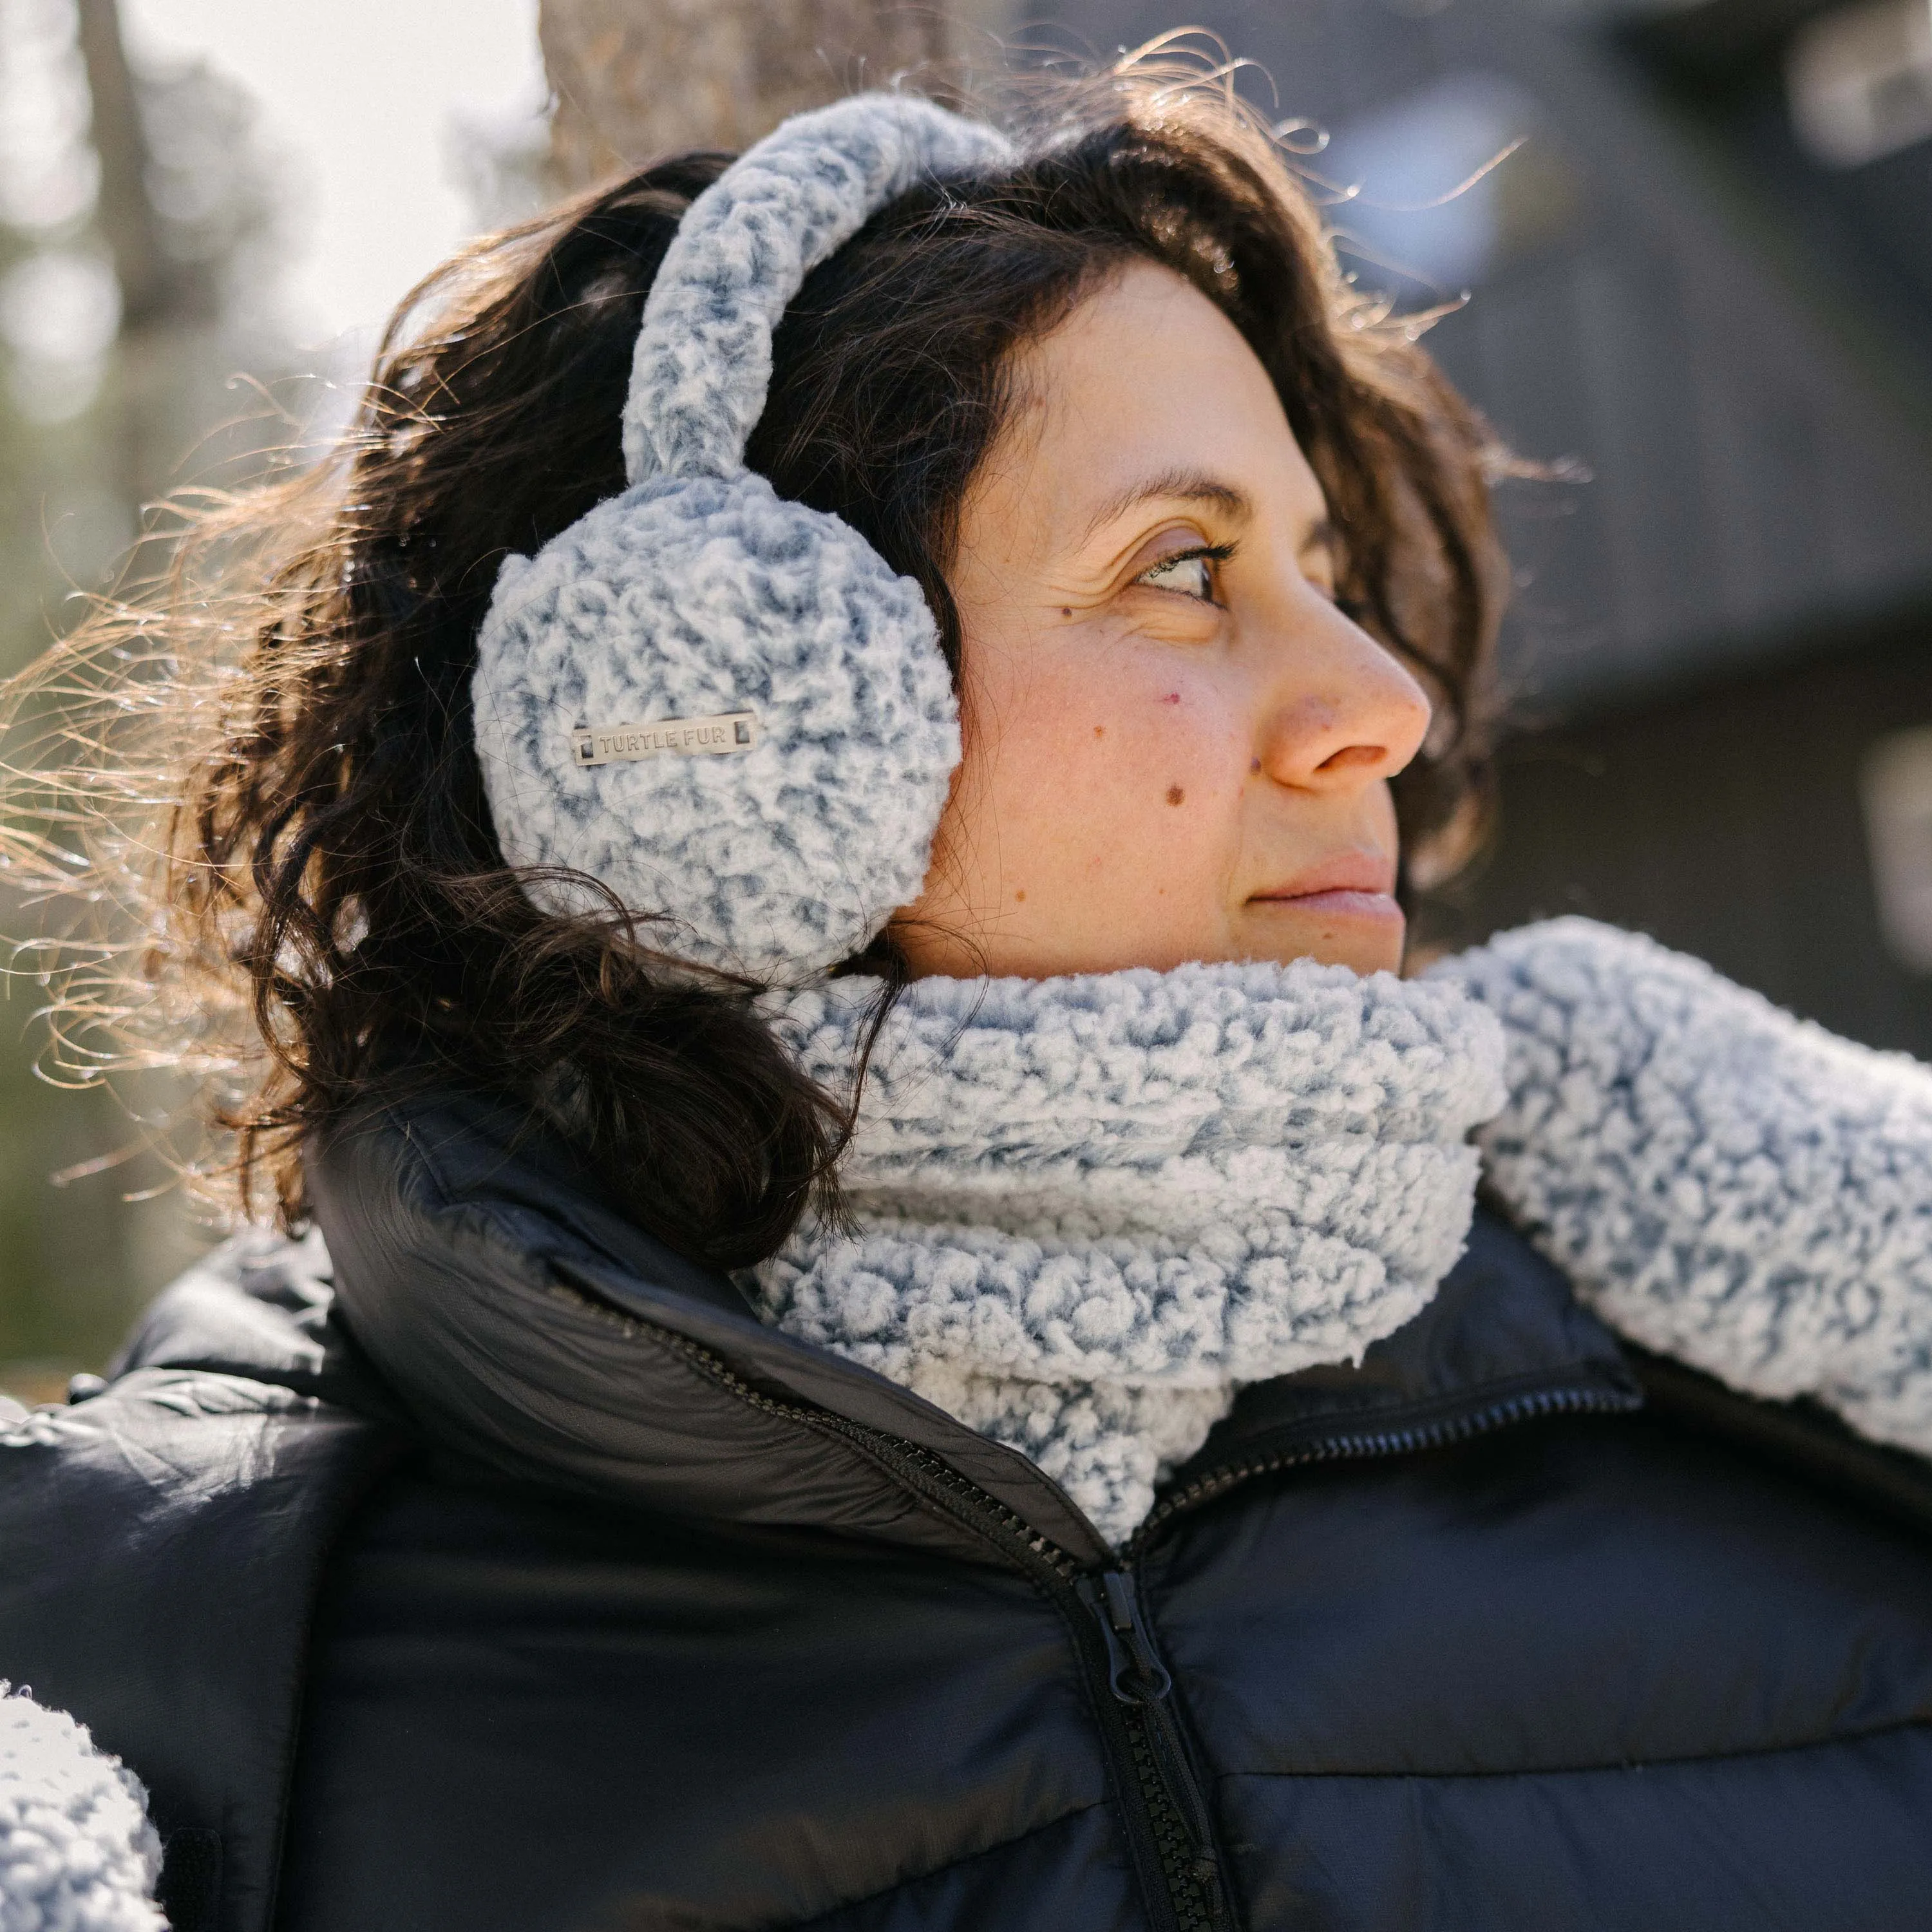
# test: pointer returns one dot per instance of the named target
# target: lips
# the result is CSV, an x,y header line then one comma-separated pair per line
x,y
1348,877
1365,909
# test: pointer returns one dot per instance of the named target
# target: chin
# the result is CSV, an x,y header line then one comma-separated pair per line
x,y
1366,939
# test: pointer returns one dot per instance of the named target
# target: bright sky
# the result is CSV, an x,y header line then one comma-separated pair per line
x,y
361,97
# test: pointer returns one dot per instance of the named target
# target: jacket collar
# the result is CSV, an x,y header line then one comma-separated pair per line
x,y
523,1323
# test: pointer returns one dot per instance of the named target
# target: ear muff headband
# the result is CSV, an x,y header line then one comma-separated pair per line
x,y
726,707
703,361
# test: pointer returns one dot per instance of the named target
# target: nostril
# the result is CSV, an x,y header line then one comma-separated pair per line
x,y
1351,756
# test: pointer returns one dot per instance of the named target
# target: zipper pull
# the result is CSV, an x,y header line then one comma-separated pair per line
x,y
1134,1674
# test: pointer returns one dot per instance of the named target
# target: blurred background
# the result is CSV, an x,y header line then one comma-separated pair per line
x,y
1698,288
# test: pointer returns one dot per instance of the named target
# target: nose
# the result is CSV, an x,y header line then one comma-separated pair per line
x,y
1340,711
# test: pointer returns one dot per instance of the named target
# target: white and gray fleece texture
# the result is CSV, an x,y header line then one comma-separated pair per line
x,y
77,1853
1723,1183
1088,1208
699,592
703,359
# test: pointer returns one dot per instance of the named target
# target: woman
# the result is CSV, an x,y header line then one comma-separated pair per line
x,y
811,826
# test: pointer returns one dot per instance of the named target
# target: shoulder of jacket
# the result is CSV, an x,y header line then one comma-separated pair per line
x,y
114,1482
162,1548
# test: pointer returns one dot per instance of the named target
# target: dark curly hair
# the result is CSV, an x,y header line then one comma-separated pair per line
x,y
269,766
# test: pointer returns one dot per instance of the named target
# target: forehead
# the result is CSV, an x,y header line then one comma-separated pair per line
x,y
1145,377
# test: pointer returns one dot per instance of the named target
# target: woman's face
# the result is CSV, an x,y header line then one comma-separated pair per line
x,y
1177,747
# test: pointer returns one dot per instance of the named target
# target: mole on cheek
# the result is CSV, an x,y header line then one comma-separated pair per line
x,y
1175,795
1020,896
1099,730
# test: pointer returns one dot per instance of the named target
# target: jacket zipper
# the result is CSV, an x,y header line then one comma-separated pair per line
x,y
1184,1832
1161,1808
1170,1827
1364,1445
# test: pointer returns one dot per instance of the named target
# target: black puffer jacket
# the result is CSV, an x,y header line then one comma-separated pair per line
x,y
535,1587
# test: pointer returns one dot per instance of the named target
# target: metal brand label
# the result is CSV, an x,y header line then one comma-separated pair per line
x,y
730,732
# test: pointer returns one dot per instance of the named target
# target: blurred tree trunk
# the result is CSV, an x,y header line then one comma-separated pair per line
x,y
123,214
94,434
162,300
637,78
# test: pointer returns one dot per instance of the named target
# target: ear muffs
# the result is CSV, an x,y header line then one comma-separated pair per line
x,y
725,707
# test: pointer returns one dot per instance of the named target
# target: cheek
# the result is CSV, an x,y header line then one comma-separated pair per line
x,y
1118,767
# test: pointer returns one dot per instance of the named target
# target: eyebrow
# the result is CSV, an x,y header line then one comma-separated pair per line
x,y
1196,486
1189,486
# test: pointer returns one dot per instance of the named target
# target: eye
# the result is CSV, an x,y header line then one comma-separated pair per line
x,y
1190,572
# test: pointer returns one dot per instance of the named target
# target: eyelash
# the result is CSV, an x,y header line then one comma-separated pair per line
x,y
1213,552
1357,609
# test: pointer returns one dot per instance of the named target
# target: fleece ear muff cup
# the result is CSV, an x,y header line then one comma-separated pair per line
x,y
781,856
727,707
